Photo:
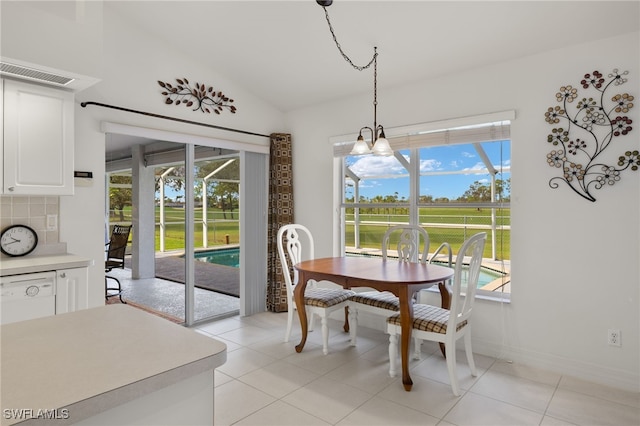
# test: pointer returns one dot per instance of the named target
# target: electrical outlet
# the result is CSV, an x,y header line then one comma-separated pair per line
x,y
52,222
614,337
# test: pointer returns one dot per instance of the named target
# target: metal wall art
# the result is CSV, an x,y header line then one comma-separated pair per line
x,y
597,121
201,97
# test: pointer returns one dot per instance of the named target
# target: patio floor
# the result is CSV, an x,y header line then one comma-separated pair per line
x,y
168,297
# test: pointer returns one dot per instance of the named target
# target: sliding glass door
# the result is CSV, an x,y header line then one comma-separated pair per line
x,y
191,194
216,232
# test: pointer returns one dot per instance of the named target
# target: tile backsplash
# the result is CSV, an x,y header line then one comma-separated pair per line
x,y
32,211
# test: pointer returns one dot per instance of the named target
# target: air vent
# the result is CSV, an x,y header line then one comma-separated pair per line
x,y
19,71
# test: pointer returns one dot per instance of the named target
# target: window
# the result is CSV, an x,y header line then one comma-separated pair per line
x,y
453,181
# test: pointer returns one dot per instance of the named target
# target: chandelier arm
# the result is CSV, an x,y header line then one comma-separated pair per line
x,y
344,55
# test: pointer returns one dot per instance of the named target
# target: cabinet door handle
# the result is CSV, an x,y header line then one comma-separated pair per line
x,y
63,275
11,188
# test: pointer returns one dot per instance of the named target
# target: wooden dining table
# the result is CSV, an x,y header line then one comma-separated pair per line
x,y
400,278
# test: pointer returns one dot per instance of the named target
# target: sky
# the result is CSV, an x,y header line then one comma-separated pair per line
x,y
385,175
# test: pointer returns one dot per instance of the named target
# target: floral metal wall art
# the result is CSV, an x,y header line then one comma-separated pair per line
x,y
201,97
597,121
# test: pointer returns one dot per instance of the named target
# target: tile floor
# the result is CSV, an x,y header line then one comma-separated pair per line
x,y
265,382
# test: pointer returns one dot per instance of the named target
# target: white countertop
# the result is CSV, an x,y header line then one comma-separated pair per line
x,y
92,360
40,263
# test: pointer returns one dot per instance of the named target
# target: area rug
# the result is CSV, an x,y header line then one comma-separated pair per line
x,y
116,301
209,276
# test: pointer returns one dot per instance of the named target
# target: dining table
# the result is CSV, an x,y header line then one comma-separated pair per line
x,y
400,278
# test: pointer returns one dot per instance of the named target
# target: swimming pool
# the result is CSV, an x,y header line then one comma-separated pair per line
x,y
226,257
486,277
231,257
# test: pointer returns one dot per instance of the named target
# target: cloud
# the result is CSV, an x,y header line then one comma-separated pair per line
x,y
371,165
430,165
478,166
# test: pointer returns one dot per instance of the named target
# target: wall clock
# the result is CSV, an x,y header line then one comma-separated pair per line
x,y
18,240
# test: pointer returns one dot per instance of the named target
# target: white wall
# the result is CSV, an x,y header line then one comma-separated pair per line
x,y
575,270
129,64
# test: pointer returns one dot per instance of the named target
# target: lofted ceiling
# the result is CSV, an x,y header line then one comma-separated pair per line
x,y
283,52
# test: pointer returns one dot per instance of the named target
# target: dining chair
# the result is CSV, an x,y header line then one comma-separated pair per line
x,y
115,250
442,325
318,301
407,240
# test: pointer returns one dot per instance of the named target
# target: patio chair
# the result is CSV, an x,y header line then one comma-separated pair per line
x,y
318,301
443,325
116,249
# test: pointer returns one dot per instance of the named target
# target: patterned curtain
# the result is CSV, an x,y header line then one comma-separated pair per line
x,y
280,213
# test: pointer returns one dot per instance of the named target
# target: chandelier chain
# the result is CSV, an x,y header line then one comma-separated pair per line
x,y
344,55
375,80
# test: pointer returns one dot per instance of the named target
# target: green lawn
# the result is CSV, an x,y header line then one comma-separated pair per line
x,y
174,231
370,234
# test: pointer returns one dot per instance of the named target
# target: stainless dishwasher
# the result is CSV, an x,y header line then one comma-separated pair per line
x,y
27,296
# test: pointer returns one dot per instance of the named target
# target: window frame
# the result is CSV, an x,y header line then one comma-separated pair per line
x,y
341,145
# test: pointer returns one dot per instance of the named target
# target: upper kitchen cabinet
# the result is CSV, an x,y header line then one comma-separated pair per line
x,y
37,140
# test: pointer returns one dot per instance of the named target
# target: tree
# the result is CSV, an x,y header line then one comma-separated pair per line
x,y
120,195
223,187
481,192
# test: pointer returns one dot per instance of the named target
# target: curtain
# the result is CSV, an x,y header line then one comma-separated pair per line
x,y
280,213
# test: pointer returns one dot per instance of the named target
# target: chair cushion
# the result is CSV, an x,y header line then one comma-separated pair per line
x,y
326,297
378,299
428,318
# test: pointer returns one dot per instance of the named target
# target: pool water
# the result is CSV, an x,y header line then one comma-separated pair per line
x,y
231,257
486,275
226,257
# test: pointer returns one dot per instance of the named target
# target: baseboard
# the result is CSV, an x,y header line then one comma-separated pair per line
x,y
603,375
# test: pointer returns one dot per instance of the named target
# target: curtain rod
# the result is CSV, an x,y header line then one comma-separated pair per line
x,y
150,114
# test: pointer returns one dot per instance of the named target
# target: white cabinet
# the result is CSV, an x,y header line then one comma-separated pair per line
x,y
72,290
37,140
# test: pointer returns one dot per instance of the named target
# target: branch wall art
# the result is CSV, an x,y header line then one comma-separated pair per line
x,y
585,129
200,97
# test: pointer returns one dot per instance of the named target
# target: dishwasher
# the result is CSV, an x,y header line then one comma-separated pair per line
x,y
27,296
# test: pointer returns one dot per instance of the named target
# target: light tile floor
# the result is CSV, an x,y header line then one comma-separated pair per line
x,y
265,382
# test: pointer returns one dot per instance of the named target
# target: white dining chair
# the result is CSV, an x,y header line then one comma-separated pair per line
x,y
318,301
442,325
407,239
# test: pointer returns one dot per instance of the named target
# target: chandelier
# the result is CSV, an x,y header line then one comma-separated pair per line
x,y
379,143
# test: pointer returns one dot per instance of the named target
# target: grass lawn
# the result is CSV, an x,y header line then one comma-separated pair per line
x,y
218,227
370,233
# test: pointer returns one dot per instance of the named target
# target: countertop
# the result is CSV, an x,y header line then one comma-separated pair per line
x,y
40,263
95,359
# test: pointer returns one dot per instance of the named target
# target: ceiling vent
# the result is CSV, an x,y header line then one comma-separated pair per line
x,y
33,74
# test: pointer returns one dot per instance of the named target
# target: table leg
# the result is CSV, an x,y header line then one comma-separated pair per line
x,y
406,325
445,296
298,296
345,327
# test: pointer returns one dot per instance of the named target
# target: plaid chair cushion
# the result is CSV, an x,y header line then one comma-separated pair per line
x,y
378,299
428,318
326,297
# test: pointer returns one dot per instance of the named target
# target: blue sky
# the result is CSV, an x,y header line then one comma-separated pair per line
x,y
385,175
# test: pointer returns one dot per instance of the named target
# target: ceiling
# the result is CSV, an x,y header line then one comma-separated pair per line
x,y
283,51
